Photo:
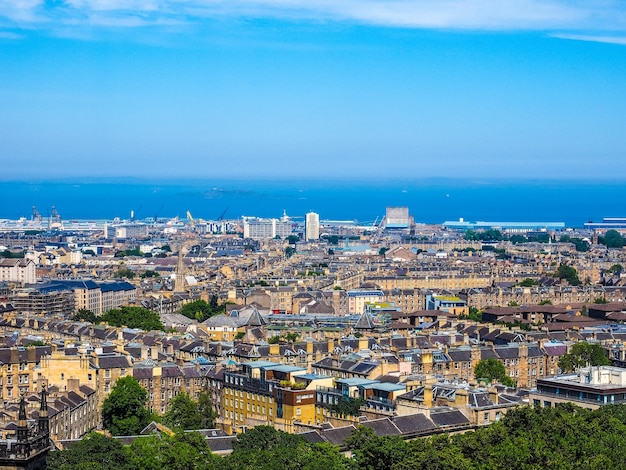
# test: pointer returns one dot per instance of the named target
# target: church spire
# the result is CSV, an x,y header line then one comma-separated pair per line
x,y
44,422
22,425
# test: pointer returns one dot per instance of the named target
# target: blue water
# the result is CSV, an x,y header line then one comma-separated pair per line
x,y
429,201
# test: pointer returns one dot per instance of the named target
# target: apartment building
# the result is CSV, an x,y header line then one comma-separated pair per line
x,y
17,270
263,392
20,370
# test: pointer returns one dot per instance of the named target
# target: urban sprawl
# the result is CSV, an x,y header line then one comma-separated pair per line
x,y
306,325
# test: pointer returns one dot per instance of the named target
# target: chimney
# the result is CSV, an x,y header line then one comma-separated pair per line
x,y
428,393
31,354
493,395
73,384
15,356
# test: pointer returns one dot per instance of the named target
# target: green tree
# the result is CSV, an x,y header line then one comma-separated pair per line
x,y
133,317
528,282
374,452
569,274
188,414
612,239
475,314
183,413
95,451
197,310
265,437
124,411
616,269
11,254
84,314
580,244
181,451
583,354
149,273
471,235
515,239
265,448
124,273
545,302
346,406
293,239
491,235
332,239
492,369
289,251
206,408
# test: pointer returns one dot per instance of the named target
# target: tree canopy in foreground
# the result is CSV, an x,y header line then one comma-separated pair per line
x,y
565,437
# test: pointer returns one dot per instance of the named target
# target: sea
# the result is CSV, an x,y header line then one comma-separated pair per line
x,y
364,201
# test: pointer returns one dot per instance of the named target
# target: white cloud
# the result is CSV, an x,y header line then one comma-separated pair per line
x,y
573,16
621,40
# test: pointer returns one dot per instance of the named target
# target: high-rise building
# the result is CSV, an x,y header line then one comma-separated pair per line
x,y
397,218
256,228
312,226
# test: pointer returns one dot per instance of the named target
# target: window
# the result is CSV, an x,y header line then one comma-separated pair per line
x,y
299,412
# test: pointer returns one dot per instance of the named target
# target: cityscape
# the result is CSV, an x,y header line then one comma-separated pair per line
x,y
277,234
312,327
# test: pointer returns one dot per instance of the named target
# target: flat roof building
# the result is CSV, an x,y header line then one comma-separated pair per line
x,y
590,387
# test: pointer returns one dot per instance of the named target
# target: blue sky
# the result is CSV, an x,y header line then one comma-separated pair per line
x,y
266,88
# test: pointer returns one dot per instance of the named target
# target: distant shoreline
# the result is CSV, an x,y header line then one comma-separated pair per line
x,y
429,200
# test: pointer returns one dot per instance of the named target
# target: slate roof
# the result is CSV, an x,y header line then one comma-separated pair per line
x,y
338,435
452,417
416,423
312,437
382,427
221,444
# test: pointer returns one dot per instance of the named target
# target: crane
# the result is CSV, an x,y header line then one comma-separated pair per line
x,y
156,215
36,215
221,217
192,222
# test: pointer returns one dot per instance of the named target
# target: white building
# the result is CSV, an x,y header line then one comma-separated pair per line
x,y
312,226
258,229
397,217
17,270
